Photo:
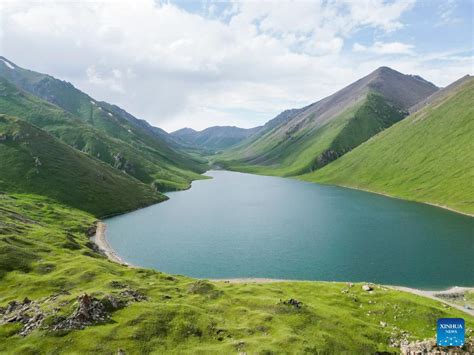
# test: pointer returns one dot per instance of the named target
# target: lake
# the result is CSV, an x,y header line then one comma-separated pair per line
x,y
240,225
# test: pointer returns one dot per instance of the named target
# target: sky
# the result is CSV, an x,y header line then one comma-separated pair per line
x,y
204,63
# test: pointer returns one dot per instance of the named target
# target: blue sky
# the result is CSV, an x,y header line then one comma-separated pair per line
x,y
203,63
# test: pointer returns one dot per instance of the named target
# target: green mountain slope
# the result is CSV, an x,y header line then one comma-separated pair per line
x,y
327,129
110,119
46,256
32,161
214,139
427,157
145,163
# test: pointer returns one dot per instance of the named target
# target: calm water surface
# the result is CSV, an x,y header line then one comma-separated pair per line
x,y
241,225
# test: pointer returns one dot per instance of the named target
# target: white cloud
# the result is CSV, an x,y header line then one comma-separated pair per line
x,y
385,48
378,13
238,63
113,81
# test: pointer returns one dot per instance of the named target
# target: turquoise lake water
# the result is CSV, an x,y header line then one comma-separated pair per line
x,y
241,225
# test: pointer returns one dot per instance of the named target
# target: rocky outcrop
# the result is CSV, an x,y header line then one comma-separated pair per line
x,y
88,311
133,295
429,347
325,158
26,312
91,310
121,163
293,302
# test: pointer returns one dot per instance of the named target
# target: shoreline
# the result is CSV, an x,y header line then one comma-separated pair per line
x,y
432,294
400,198
299,177
101,241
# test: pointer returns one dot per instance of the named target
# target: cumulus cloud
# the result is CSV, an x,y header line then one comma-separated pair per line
x,y
237,63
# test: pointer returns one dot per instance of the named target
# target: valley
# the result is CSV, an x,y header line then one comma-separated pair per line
x,y
48,264
250,226
69,162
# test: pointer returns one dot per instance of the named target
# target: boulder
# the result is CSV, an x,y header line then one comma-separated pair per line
x,y
293,302
367,287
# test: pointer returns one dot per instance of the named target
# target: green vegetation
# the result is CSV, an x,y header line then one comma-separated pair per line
x,y
33,161
45,255
305,150
124,152
70,159
299,141
97,128
427,157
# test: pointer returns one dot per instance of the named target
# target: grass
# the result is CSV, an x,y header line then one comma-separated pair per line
x,y
427,157
46,255
120,146
307,149
183,315
33,161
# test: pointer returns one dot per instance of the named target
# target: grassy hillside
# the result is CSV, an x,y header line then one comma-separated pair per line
x,y
45,255
143,162
308,149
427,157
300,141
33,161
109,119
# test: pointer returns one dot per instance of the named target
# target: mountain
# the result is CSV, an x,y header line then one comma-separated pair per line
x,y
440,93
33,161
309,138
145,163
214,138
427,157
100,129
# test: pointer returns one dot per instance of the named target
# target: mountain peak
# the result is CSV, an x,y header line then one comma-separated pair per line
x,y
385,69
402,89
185,130
385,73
